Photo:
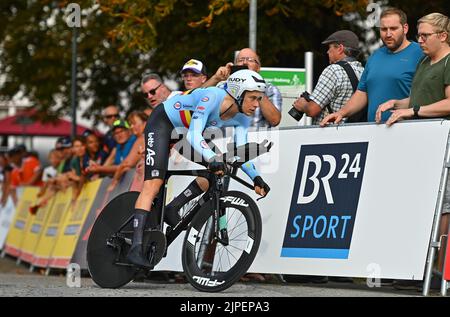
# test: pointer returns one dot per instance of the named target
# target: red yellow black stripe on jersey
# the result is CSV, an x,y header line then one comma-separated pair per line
x,y
186,115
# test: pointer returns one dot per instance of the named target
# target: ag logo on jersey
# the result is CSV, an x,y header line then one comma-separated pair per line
x,y
325,201
205,99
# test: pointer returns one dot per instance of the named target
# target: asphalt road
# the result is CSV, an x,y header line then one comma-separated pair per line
x,y
16,280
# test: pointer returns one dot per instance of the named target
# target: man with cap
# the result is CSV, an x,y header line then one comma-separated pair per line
x,y
334,87
193,74
388,73
64,146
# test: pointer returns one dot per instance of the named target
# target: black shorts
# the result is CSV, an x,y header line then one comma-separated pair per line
x,y
160,136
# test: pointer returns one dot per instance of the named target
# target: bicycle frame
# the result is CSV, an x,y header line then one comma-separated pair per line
x,y
213,193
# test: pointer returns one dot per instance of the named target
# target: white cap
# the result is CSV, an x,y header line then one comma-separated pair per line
x,y
194,65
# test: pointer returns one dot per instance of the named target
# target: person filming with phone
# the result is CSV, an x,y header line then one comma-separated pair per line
x,y
269,112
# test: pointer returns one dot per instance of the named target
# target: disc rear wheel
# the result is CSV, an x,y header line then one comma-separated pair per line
x,y
107,248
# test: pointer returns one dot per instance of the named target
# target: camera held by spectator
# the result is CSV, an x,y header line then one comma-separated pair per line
x,y
297,114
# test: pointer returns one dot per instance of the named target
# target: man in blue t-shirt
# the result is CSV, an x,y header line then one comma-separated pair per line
x,y
389,71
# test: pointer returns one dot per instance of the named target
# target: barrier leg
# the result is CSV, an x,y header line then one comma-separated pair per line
x,y
435,243
446,268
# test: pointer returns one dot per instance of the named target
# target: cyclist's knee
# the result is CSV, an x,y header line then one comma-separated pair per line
x,y
202,183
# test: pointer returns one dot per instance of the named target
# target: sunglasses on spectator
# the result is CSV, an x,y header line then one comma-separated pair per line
x,y
248,59
110,116
151,91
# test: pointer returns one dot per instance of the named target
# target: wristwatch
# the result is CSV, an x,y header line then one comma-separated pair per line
x,y
416,109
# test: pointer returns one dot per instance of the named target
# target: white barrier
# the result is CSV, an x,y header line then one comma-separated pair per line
x,y
6,217
7,213
358,200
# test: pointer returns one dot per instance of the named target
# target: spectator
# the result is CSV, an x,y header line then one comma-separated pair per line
x,y
125,140
15,161
430,95
5,171
154,91
26,168
193,74
94,153
334,87
137,121
269,112
110,114
76,164
389,71
49,176
51,171
64,145
30,171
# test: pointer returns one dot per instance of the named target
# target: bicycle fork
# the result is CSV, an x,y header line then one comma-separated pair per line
x,y
220,215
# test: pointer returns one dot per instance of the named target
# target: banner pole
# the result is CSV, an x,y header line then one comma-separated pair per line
x,y
434,243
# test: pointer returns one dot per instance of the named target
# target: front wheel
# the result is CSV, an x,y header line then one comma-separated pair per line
x,y
210,265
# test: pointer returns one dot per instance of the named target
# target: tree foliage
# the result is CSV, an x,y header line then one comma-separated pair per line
x,y
121,39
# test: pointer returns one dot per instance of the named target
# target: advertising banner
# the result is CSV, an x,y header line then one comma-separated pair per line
x,y
70,230
60,209
104,195
291,82
21,222
344,200
35,230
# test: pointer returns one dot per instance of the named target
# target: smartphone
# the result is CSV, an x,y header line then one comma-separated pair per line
x,y
235,68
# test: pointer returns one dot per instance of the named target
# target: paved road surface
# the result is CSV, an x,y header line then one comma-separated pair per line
x,y
18,281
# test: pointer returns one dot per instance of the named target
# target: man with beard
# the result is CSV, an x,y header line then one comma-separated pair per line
x,y
389,71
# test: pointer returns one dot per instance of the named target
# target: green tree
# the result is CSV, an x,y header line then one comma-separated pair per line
x,y
120,39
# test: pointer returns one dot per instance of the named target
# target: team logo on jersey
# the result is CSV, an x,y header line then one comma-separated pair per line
x,y
204,144
201,108
205,99
155,173
149,159
177,105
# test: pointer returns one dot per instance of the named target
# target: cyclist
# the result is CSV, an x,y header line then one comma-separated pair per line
x,y
201,108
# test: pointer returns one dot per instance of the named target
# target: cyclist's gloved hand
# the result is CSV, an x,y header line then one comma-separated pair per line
x,y
217,165
261,188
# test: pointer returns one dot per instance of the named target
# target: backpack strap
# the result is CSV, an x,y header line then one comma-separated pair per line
x,y
350,73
